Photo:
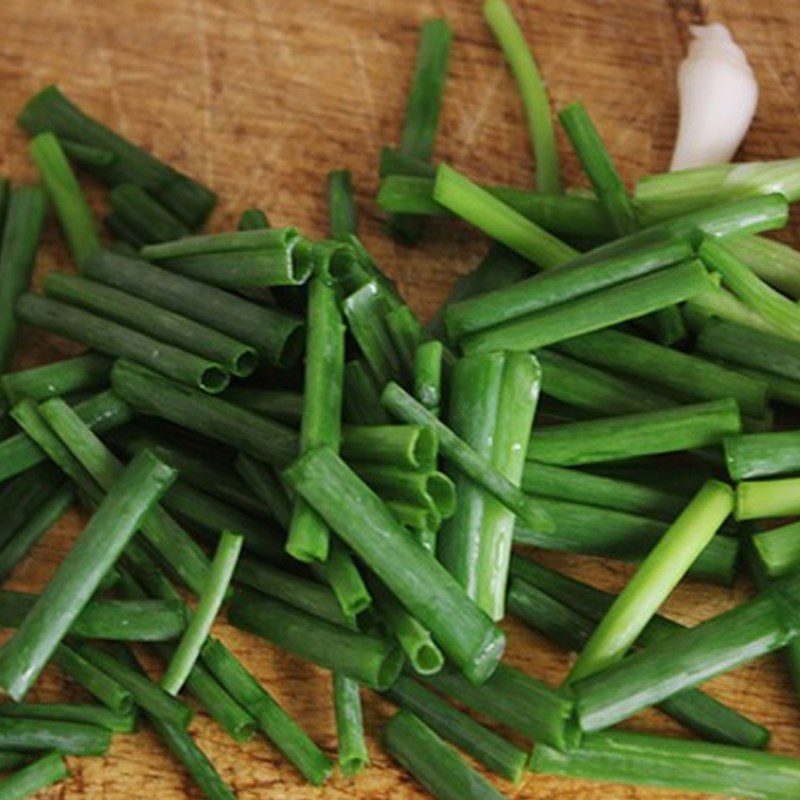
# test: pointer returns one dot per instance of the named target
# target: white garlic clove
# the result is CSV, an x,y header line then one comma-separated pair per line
x,y
718,96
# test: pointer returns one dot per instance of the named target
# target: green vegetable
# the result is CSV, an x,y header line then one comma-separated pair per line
x,y
365,658
98,547
412,446
485,746
67,738
428,368
439,768
21,230
362,400
760,499
777,263
341,205
276,724
73,213
655,579
760,455
147,218
632,435
601,309
463,632
59,378
202,618
154,395
353,755
158,323
117,340
677,372
253,219
683,765
88,714
779,549
532,92
498,220
105,688
34,777
50,110
309,537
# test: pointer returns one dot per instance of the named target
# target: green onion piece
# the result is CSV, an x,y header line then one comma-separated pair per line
x,y
602,309
22,496
560,214
307,595
438,767
120,341
341,205
412,446
365,658
362,399
393,162
777,263
666,195
48,511
632,435
147,620
576,486
751,348
763,499
532,92
151,697
277,336
776,309
253,219
276,724
266,486
655,579
678,372
760,455
98,683
34,777
21,231
415,487
559,285
463,632
98,547
688,657
90,714
154,395
60,378
282,405
195,467
158,323
599,168
585,387
404,407
171,542
127,241
517,701
341,573
571,630
73,212
682,765
485,746
499,268
309,537
781,390
202,618
407,334
416,641
423,107
150,221
50,110
239,259
498,220
67,738
590,530
353,755
427,371
9,760
779,549
365,311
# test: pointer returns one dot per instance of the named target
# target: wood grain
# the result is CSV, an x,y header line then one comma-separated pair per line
x,y
259,98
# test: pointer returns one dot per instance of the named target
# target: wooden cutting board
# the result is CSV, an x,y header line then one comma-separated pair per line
x,y
259,99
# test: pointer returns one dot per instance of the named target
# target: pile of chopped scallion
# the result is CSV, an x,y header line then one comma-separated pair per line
x,y
261,424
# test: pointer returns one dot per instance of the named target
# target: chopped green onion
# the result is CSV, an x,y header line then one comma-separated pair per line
x,y
779,549
362,399
439,768
760,499
88,714
353,755
428,368
253,219
655,579
67,738
34,777
412,446
98,683
65,377
149,221
532,91
777,263
496,219
210,601
760,455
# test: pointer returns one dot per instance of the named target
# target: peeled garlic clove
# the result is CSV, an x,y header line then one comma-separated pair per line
x,y
718,96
